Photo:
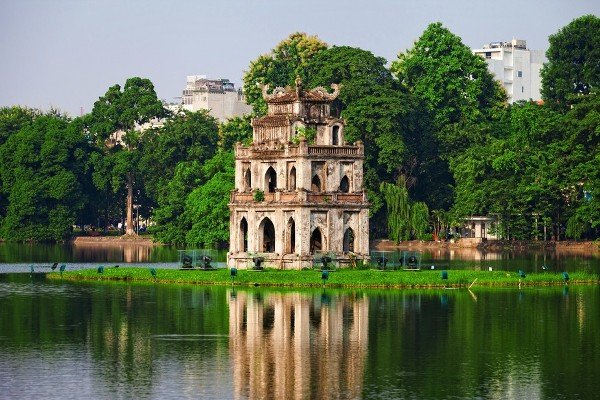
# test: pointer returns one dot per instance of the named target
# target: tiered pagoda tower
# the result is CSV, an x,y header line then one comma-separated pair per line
x,y
299,186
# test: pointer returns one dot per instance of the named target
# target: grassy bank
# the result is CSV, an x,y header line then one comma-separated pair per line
x,y
340,279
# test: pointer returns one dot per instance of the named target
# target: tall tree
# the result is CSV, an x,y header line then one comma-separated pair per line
x,y
583,124
377,111
573,66
459,96
44,173
520,173
454,84
280,67
172,163
116,122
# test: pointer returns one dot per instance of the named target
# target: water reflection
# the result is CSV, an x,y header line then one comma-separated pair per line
x,y
297,345
98,340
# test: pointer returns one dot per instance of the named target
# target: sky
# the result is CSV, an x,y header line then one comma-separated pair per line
x,y
65,54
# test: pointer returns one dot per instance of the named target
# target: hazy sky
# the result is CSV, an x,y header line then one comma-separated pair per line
x,y
66,54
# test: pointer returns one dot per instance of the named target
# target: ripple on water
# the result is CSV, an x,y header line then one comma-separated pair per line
x,y
190,337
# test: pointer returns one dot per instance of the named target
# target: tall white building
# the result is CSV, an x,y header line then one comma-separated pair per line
x,y
516,67
219,96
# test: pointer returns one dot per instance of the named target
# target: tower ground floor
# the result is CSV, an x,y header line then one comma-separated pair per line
x,y
295,237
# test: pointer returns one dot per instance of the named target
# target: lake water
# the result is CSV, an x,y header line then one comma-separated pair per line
x,y
18,257
62,340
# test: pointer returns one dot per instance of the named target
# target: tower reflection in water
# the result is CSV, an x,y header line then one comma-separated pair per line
x,y
298,345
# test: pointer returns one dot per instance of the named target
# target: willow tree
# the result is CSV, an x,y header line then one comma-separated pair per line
x,y
419,219
398,209
406,219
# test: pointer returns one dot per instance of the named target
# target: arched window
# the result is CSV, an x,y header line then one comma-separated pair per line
x,y
316,241
348,240
335,135
315,184
243,235
292,185
247,180
290,245
267,236
271,180
345,185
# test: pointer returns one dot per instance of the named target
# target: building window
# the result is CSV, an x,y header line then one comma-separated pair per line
x,y
292,185
315,184
522,89
519,74
291,237
348,240
244,235
316,241
335,135
345,185
271,180
488,54
247,180
267,230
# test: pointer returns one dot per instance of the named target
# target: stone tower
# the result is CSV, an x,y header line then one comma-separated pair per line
x,y
298,186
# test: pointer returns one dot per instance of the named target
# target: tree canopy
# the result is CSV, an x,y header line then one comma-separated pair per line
x,y
280,67
573,66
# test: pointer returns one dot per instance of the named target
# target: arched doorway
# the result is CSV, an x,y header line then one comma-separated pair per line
x,y
348,240
316,241
243,244
267,236
271,180
290,243
315,184
292,185
345,185
247,180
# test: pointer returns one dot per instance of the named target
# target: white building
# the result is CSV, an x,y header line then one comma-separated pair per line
x,y
516,67
219,96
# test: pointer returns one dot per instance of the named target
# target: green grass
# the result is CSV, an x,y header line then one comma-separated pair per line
x,y
340,279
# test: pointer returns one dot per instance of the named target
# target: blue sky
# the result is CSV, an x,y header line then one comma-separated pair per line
x,y
66,53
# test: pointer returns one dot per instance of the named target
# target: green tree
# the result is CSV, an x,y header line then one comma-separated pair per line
x,y
207,208
522,172
115,123
454,83
377,111
237,129
457,95
583,125
44,172
189,136
172,163
280,67
573,66
405,219
12,119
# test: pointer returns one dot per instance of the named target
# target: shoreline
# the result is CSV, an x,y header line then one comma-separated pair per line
x,y
491,245
114,240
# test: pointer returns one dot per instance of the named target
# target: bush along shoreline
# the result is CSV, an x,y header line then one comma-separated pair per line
x,y
346,278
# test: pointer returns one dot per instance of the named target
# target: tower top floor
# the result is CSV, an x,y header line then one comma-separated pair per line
x,y
293,113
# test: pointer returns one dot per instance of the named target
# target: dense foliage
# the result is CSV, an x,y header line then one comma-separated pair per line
x,y
440,143
573,62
